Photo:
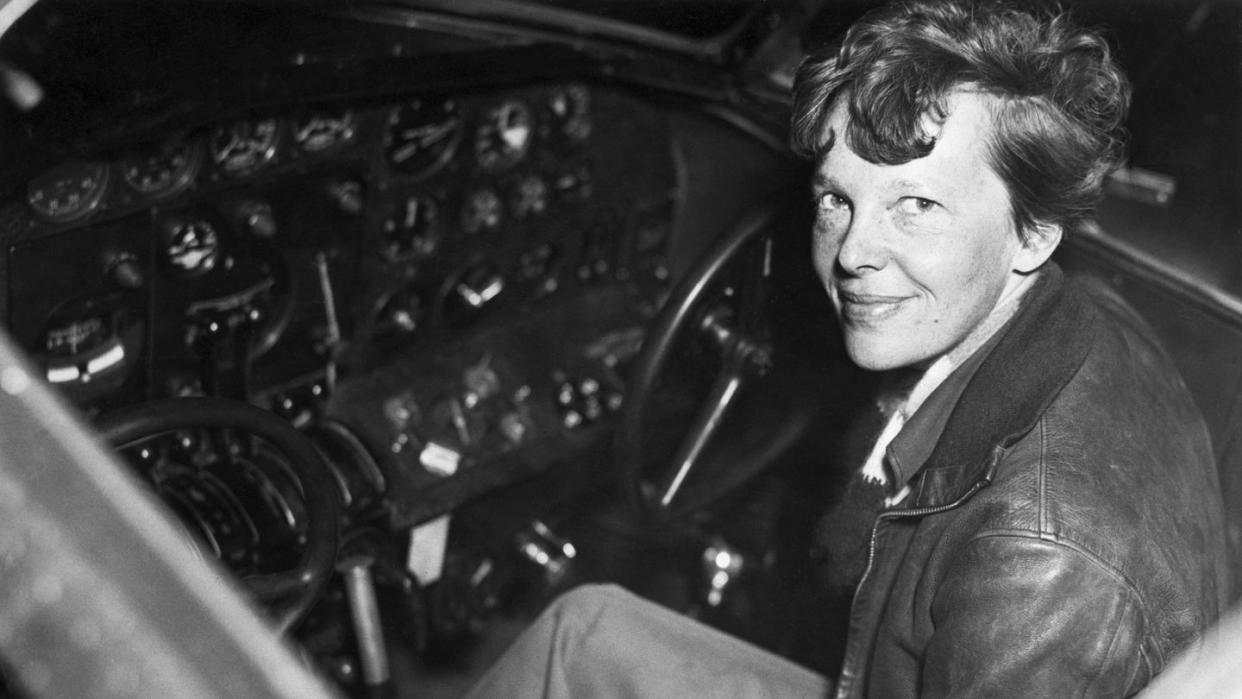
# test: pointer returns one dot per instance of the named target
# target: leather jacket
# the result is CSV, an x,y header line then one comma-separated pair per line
x,y
1066,535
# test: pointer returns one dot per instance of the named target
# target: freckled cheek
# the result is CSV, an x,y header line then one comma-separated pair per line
x,y
934,281
824,248
985,270
954,285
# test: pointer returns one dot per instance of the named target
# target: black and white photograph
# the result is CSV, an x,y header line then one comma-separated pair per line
x,y
561,349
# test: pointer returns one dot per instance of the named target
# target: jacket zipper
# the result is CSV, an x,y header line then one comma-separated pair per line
x,y
843,688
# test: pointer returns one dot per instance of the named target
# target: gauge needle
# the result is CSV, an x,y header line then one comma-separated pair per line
x,y
405,152
426,135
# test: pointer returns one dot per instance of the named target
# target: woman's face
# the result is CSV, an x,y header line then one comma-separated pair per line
x,y
915,256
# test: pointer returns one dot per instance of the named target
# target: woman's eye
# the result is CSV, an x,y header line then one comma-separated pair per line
x,y
832,202
916,205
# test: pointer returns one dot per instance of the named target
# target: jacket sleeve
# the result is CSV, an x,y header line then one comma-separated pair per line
x,y
1020,616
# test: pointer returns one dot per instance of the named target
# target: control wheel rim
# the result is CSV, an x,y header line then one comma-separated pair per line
x,y
293,592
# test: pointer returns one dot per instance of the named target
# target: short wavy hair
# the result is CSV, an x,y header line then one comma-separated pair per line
x,y
1058,97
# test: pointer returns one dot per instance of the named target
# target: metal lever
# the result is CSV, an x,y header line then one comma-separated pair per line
x,y
360,590
222,338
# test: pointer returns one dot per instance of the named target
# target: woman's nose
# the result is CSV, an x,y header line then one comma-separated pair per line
x,y
865,245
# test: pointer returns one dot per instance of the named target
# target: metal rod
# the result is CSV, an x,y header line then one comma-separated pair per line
x,y
360,589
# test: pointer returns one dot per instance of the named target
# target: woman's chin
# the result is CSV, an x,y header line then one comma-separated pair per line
x,y
875,354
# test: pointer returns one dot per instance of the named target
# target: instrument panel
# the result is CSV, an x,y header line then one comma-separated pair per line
x,y
417,136
397,245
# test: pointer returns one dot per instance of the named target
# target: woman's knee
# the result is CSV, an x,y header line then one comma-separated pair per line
x,y
588,600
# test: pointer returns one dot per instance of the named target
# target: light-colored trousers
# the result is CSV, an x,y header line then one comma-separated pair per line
x,y
602,641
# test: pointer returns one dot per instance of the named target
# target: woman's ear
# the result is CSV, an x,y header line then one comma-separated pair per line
x,y
1041,241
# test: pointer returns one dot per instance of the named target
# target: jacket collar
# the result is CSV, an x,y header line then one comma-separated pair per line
x,y
912,446
1039,351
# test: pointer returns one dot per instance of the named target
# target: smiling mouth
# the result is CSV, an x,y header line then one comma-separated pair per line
x,y
866,309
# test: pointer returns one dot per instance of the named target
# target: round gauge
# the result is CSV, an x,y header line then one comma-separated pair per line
x,y
320,131
90,346
162,170
504,135
472,291
414,230
568,110
530,196
68,192
574,185
482,212
402,315
191,246
244,146
422,135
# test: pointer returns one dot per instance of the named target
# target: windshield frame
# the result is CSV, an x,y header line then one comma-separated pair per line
x,y
716,48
